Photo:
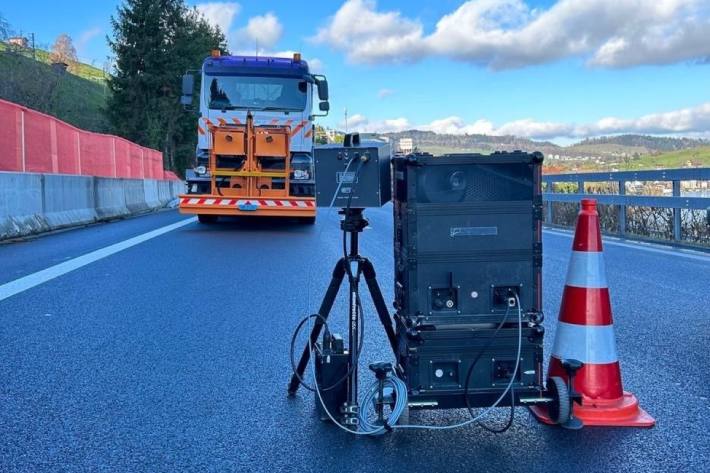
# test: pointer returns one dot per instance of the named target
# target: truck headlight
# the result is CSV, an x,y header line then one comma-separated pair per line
x,y
200,170
301,174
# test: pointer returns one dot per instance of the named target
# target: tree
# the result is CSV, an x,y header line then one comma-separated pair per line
x,y
63,50
155,42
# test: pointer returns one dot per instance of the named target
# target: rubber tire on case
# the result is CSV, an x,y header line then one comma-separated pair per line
x,y
206,218
560,408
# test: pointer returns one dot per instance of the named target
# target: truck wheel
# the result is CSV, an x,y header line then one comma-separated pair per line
x,y
308,220
206,219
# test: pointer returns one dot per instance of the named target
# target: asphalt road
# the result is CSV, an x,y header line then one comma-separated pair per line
x,y
172,355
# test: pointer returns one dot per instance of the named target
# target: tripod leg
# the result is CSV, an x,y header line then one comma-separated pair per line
x,y
323,311
368,270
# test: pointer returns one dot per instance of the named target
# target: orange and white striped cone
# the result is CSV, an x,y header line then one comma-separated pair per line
x,y
585,332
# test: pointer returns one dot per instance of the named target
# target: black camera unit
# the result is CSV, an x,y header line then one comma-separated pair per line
x,y
355,174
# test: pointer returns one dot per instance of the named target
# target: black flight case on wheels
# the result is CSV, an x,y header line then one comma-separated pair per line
x,y
468,257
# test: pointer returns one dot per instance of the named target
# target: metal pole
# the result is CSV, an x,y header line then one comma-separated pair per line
x,y
354,335
676,213
622,209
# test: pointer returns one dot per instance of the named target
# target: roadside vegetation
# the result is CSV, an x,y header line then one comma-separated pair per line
x,y
70,97
153,44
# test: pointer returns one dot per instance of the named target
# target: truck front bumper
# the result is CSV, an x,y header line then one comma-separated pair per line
x,y
206,204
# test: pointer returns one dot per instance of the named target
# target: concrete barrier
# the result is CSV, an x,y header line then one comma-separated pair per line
x,y
68,200
150,189
135,195
21,205
164,193
110,198
35,203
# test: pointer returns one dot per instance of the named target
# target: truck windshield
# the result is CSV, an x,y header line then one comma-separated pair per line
x,y
256,93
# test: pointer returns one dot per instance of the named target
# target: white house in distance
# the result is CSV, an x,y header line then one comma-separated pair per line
x,y
406,145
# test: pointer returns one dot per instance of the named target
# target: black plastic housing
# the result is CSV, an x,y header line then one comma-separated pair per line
x,y
365,183
467,226
468,247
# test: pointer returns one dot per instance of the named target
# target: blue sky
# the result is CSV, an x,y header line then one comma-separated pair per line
x,y
543,69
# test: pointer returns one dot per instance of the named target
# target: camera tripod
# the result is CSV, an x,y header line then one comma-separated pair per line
x,y
355,266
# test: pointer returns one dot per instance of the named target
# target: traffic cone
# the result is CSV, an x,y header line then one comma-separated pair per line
x,y
585,332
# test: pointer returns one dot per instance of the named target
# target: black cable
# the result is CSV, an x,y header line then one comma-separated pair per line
x,y
510,417
347,211
470,371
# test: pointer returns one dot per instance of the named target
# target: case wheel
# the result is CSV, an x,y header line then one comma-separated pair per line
x,y
560,407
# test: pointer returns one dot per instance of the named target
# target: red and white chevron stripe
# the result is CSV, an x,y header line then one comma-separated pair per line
x,y
224,202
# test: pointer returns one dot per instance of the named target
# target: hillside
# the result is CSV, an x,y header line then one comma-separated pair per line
x,y
608,153
651,143
696,157
76,98
436,143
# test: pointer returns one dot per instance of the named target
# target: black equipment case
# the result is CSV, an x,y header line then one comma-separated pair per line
x,y
363,184
468,231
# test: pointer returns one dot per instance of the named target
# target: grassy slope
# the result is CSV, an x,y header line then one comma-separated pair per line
x,y
604,149
77,99
672,159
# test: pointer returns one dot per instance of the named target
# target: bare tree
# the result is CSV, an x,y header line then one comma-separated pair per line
x,y
63,50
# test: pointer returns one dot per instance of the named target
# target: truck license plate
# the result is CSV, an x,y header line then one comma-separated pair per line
x,y
249,207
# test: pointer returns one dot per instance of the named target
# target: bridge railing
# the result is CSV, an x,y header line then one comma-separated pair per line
x,y
628,206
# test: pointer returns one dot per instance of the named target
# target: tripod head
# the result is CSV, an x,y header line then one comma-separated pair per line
x,y
353,220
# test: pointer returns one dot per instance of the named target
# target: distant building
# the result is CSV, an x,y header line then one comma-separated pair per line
x,y
406,145
20,41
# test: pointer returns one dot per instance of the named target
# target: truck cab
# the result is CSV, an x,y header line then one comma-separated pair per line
x,y
266,99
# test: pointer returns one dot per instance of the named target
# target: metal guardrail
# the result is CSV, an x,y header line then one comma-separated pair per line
x,y
622,200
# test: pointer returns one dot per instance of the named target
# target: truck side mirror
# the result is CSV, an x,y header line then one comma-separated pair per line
x,y
188,84
322,89
324,106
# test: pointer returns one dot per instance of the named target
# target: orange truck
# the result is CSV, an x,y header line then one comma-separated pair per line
x,y
255,138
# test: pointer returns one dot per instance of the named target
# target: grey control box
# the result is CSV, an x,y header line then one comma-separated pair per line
x,y
359,174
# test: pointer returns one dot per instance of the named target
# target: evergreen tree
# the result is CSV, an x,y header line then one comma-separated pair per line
x,y
155,42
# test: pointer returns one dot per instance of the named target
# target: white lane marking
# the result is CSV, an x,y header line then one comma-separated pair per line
x,y
35,279
586,269
643,246
593,344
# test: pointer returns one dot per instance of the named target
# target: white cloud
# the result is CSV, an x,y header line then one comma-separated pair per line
x,y
456,126
382,93
359,122
262,31
85,38
694,121
219,14
315,65
509,33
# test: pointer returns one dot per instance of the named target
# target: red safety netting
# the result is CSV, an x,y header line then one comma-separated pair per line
x,y
31,141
